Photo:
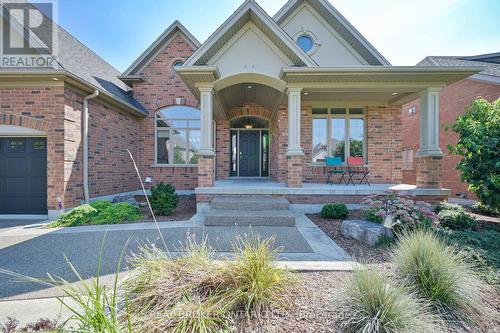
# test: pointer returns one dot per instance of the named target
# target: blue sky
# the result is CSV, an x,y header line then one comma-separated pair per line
x,y
403,31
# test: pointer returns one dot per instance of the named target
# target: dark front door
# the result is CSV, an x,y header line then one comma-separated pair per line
x,y
23,176
249,153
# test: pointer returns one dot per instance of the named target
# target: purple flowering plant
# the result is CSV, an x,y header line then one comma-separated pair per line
x,y
405,212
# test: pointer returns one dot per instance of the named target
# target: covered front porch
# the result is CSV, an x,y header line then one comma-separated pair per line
x,y
311,196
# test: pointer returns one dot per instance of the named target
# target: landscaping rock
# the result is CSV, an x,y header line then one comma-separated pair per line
x,y
126,198
364,231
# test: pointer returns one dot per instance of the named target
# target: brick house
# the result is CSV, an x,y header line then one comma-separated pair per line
x,y
453,101
263,98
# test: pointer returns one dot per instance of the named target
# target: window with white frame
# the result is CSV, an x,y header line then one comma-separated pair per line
x,y
178,135
338,132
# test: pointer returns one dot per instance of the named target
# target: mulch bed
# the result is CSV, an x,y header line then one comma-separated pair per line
x,y
184,211
357,250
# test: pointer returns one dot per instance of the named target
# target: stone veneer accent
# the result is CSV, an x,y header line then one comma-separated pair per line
x,y
429,174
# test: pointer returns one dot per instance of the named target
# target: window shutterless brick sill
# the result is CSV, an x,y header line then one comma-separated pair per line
x,y
174,166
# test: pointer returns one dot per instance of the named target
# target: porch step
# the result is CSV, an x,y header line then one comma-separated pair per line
x,y
250,203
272,218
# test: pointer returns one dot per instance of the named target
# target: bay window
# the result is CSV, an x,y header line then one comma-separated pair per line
x,y
177,135
338,132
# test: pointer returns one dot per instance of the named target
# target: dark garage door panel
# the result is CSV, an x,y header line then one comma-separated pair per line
x,y
23,176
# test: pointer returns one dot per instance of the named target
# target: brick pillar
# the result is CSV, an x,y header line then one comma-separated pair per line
x,y
206,171
429,173
294,172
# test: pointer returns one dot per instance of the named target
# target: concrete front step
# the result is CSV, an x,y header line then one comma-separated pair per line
x,y
251,203
271,218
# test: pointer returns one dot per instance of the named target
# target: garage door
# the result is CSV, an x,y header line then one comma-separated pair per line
x,y
23,176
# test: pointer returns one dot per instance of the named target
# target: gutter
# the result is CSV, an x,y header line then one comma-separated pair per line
x,y
86,144
70,76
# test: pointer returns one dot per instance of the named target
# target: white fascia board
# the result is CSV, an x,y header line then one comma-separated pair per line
x,y
147,53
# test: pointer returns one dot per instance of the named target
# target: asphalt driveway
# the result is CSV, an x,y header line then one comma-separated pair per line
x,y
33,251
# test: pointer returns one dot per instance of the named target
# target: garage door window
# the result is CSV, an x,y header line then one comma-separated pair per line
x,y
39,145
16,145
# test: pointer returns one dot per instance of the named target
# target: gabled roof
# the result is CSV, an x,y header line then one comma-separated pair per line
x,y
86,66
489,57
156,47
250,11
491,72
340,24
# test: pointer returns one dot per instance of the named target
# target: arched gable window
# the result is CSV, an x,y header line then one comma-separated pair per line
x,y
177,135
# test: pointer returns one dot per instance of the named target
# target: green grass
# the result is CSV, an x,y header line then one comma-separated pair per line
x,y
372,304
440,274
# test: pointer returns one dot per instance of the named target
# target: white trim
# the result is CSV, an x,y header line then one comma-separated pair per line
x,y
20,131
175,25
328,27
285,12
238,14
169,129
250,26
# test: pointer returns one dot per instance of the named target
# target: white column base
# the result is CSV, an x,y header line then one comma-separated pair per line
x,y
430,153
295,152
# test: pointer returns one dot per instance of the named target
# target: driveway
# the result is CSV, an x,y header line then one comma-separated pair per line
x,y
34,251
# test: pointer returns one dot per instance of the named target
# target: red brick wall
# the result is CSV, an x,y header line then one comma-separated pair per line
x,y
40,108
222,147
160,89
278,163
111,133
383,142
453,101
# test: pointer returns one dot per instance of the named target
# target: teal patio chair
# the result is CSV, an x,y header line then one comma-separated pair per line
x,y
336,164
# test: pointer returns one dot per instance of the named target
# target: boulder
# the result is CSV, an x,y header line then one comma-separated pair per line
x,y
126,198
364,231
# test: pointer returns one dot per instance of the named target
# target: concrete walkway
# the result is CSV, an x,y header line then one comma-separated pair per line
x,y
32,250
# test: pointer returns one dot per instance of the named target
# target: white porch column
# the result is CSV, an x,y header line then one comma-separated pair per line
x,y
206,107
294,106
429,123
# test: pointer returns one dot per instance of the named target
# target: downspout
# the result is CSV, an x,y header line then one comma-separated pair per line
x,y
86,144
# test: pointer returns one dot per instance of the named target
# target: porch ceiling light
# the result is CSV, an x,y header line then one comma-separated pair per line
x,y
306,93
394,93
250,87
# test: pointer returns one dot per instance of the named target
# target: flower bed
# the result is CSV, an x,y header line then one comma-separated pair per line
x,y
406,213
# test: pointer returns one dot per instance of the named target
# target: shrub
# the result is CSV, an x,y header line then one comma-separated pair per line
x,y
444,205
117,213
406,213
334,211
479,139
371,304
100,205
456,219
441,275
480,208
255,280
77,216
481,247
163,199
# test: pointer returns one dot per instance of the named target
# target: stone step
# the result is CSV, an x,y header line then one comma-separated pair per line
x,y
270,218
250,203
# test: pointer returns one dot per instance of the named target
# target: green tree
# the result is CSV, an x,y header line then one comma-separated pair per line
x,y
479,149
